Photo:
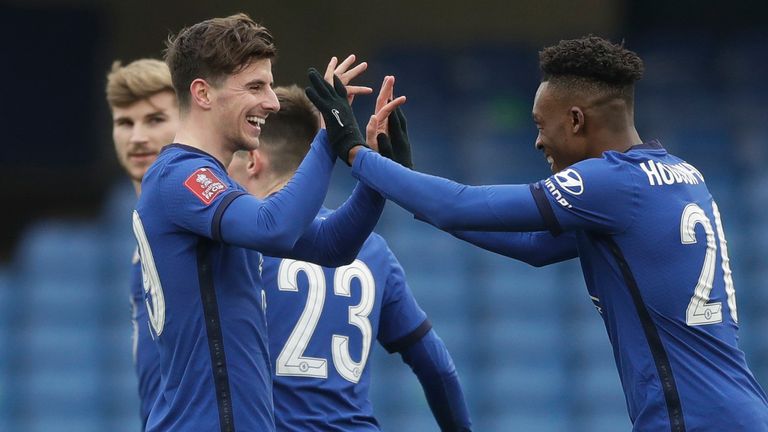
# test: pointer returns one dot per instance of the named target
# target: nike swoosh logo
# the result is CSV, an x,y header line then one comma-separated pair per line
x,y
335,113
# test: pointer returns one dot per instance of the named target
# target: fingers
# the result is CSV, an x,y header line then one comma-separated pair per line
x,y
401,119
370,133
328,75
347,76
353,91
358,90
389,107
385,94
317,83
342,68
339,86
313,97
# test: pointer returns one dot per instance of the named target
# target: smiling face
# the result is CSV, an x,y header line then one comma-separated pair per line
x,y
141,129
558,127
242,103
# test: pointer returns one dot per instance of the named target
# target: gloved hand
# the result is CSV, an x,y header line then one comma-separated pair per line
x,y
398,135
385,146
340,122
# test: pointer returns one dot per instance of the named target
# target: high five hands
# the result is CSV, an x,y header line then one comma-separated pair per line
x,y
332,96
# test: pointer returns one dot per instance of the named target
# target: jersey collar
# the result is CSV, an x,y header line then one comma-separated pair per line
x,y
650,145
193,150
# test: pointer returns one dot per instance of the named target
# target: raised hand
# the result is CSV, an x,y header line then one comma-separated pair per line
x,y
379,128
340,122
346,75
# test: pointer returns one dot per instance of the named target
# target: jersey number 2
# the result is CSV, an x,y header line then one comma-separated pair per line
x,y
291,360
700,311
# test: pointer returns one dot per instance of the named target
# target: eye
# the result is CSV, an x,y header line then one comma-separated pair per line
x,y
156,120
123,123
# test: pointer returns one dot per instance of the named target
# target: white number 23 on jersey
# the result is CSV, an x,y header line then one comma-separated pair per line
x,y
292,360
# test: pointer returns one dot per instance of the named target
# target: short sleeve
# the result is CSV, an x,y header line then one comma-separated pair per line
x,y
195,192
402,321
594,195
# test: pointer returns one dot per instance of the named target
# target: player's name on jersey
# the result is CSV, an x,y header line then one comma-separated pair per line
x,y
665,174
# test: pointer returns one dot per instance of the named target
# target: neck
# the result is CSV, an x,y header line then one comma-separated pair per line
x,y
196,133
612,128
264,186
136,187
621,141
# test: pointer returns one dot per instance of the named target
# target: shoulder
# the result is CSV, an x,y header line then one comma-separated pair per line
x,y
594,175
197,172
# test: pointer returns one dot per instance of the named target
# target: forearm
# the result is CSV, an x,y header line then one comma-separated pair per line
x,y
430,361
337,239
446,204
274,225
538,248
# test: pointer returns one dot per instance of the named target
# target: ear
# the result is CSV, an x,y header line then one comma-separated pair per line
x,y
257,162
577,120
201,93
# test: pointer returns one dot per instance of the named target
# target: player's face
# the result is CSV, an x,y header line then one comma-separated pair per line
x,y
141,129
553,119
242,104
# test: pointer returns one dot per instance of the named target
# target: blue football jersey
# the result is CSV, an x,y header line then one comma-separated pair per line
x,y
655,260
203,298
322,322
145,356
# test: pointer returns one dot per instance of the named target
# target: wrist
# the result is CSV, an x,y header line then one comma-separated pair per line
x,y
353,153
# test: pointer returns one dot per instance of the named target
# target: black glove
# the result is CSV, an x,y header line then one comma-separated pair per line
x,y
340,122
385,146
398,134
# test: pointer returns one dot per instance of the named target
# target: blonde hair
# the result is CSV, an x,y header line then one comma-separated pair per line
x,y
137,80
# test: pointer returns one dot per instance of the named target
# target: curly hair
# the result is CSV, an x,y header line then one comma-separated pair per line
x,y
592,64
213,49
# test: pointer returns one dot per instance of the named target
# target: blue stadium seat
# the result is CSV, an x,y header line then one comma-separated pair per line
x,y
546,419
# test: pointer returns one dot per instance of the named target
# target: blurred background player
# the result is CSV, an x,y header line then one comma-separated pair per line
x,y
643,223
145,116
322,321
200,234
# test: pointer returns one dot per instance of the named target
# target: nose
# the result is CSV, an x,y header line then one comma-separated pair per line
x,y
271,104
539,144
138,134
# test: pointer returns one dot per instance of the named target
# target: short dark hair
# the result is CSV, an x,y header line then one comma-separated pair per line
x,y
213,49
288,133
594,63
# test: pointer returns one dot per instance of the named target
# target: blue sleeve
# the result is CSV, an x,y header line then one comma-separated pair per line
x,y
273,226
336,240
401,320
599,195
446,204
432,363
538,248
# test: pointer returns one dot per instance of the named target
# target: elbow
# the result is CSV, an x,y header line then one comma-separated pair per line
x,y
329,256
537,262
279,242
441,222
339,258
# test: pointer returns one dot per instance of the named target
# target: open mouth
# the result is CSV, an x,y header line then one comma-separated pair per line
x,y
255,121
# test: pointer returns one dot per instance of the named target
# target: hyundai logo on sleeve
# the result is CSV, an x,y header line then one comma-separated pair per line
x,y
570,181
